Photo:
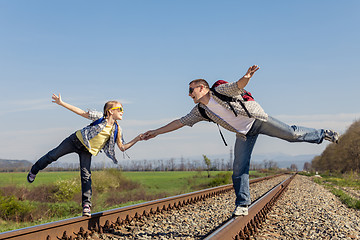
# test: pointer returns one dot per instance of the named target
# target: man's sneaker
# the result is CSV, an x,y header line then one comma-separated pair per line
x,y
31,177
331,136
240,210
87,211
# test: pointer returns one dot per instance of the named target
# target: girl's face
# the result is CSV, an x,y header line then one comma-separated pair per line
x,y
116,112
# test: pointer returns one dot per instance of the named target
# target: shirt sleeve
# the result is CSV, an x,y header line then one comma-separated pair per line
x,y
94,115
193,117
229,89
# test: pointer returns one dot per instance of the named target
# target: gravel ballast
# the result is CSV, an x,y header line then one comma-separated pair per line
x,y
305,211
309,211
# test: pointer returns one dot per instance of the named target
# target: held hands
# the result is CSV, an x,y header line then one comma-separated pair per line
x,y
250,72
143,136
148,135
140,137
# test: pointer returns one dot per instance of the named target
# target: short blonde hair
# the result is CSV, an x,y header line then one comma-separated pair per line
x,y
200,81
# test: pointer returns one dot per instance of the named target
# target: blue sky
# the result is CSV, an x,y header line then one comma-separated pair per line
x,y
144,53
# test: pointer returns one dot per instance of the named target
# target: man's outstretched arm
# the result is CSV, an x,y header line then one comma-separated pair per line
x,y
172,126
242,82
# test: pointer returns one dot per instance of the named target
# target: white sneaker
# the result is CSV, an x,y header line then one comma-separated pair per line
x,y
331,136
31,177
87,211
240,211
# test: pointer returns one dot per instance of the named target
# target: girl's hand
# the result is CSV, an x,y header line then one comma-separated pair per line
x,y
57,99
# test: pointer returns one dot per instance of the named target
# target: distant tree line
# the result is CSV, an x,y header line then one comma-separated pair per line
x,y
174,164
14,165
342,157
171,164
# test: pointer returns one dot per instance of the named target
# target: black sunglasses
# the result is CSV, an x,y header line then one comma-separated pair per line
x,y
192,89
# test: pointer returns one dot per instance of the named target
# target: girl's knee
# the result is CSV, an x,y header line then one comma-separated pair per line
x,y
86,179
85,175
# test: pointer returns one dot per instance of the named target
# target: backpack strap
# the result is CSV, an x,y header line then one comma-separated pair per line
x,y
96,122
229,100
204,115
222,136
116,132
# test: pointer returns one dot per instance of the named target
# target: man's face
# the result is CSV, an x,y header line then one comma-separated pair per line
x,y
195,91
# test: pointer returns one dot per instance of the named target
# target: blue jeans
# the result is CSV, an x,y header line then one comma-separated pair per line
x,y
70,145
244,148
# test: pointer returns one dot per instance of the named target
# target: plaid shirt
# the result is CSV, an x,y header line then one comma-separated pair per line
x,y
89,132
232,90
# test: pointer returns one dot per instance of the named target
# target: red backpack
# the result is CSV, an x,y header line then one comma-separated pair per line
x,y
245,95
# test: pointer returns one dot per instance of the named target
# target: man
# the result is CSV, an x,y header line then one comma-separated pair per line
x,y
247,119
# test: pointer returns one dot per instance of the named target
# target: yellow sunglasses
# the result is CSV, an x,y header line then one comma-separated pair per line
x,y
120,109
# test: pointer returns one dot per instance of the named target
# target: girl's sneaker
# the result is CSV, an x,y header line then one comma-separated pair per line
x,y
31,177
87,211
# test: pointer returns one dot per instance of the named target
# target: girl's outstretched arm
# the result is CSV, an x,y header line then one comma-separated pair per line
x,y
128,145
59,101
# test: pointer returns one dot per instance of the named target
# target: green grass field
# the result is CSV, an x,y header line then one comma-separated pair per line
x,y
171,182
19,178
154,181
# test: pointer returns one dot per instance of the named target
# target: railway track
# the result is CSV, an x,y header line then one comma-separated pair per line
x,y
245,226
107,221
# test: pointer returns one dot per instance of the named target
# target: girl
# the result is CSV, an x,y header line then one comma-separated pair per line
x,y
101,134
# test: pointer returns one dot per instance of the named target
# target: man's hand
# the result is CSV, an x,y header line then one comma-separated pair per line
x,y
242,82
148,135
250,72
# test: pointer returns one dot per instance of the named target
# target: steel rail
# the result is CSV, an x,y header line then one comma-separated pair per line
x,y
243,227
103,221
